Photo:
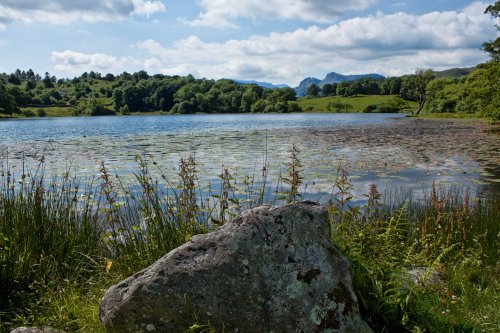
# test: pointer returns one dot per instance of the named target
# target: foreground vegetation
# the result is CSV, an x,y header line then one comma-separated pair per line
x,y
63,242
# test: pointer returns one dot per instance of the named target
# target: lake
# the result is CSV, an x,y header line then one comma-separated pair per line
x,y
387,149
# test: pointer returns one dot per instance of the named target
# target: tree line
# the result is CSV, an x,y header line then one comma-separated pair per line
x,y
94,94
476,93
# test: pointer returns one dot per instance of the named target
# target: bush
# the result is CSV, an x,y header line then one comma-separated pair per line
x,y
92,107
183,107
28,113
384,108
339,107
124,110
294,107
370,108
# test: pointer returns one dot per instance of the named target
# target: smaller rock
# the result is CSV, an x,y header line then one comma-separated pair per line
x,y
36,330
425,276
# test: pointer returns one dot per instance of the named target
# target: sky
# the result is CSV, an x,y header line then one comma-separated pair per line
x,y
277,41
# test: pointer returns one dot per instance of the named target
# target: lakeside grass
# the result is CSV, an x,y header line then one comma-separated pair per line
x,y
358,103
64,242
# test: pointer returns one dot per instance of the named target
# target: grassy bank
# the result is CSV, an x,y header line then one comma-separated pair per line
x,y
357,103
63,242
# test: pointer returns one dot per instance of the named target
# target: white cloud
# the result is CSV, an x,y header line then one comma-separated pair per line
x,y
387,44
223,13
147,8
65,12
76,63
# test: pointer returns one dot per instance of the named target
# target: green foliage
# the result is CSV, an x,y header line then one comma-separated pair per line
x,y
445,237
443,95
370,108
493,47
294,107
394,104
92,107
293,178
339,107
126,93
28,113
7,102
358,103
313,91
481,92
329,89
414,87
62,243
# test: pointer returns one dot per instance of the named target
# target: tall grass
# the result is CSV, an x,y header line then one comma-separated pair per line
x,y
450,239
63,242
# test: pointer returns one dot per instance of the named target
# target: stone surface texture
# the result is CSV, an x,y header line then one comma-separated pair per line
x,y
268,270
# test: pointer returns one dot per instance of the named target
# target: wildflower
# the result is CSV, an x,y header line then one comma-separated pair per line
x,y
109,264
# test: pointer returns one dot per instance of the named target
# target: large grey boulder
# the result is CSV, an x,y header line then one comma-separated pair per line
x,y
269,270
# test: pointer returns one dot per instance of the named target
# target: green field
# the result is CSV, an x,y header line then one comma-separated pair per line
x,y
358,103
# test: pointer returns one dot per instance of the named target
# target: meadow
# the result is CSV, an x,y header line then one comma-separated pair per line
x,y
353,103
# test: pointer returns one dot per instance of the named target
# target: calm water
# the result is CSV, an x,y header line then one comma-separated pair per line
x,y
47,129
239,142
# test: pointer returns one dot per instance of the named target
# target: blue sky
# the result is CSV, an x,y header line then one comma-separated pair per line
x,y
278,41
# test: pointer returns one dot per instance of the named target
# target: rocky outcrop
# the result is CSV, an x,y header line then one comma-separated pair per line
x,y
269,270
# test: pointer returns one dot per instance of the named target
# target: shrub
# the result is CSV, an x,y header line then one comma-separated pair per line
x,y
370,108
92,107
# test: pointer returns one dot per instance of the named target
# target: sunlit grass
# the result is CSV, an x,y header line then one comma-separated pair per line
x,y
358,102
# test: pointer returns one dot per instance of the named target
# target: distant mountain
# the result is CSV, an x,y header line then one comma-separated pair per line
x,y
331,78
453,72
262,84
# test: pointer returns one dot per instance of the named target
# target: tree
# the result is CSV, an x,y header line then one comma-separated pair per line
x,y
14,79
343,88
391,86
47,81
118,100
7,101
328,90
109,77
415,87
443,95
493,47
481,91
313,91
355,88
30,75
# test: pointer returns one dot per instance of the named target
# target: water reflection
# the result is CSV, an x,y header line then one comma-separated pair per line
x,y
374,148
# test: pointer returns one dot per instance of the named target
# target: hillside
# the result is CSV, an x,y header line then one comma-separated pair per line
x,y
453,73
